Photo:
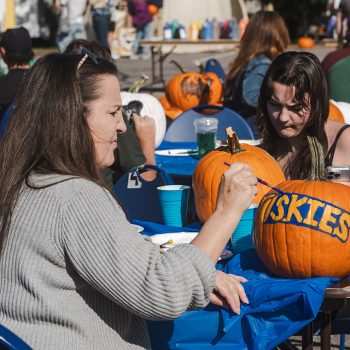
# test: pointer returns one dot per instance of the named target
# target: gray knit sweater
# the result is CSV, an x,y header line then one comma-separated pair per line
x,y
74,273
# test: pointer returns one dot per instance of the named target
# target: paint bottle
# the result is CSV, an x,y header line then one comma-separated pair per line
x,y
193,31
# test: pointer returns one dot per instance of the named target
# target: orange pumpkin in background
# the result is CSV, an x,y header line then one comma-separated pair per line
x,y
306,42
190,89
170,112
153,9
207,175
335,113
305,231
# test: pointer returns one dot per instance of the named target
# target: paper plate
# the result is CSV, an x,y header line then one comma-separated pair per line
x,y
138,228
177,152
176,237
180,238
250,142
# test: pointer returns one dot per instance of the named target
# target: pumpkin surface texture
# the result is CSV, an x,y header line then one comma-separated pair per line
x,y
207,175
304,232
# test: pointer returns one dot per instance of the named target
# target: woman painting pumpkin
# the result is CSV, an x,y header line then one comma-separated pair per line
x,y
294,104
74,273
265,37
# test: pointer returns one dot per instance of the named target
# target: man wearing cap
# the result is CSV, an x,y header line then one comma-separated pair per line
x,y
16,51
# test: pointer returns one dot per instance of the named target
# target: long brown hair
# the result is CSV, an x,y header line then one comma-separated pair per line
x,y
267,34
303,71
48,131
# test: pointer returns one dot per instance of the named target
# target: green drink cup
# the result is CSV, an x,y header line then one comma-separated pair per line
x,y
206,134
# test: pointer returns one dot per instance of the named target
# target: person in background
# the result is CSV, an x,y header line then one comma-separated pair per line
x,y
294,104
335,56
71,23
343,25
265,37
142,21
101,19
137,145
79,273
16,51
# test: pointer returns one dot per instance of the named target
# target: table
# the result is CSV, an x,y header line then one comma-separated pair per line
x,y
177,165
335,306
278,309
157,50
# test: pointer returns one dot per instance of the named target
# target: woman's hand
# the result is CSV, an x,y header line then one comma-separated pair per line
x,y
145,131
237,189
229,292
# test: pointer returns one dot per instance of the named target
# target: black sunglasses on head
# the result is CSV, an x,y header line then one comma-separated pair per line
x,y
87,54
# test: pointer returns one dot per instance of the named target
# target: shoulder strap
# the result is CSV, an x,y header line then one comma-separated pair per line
x,y
330,154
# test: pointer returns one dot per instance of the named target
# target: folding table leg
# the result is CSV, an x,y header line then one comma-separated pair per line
x,y
307,337
326,324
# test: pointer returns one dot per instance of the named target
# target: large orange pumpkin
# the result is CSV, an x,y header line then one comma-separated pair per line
x,y
305,231
190,89
207,175
335,113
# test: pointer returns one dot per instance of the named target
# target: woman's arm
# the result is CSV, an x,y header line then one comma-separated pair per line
x,y
237,189
127,268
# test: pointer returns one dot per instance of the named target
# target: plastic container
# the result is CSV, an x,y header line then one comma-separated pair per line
x,y
216,28
207,30
193,31
167,32
234,32
182,32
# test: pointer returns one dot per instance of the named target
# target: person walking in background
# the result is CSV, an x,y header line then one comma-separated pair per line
x,y
343,17
142,21
71,23
265,37
16,51
101,19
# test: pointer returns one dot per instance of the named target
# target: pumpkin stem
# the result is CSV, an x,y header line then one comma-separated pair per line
x,y
138,84
233,143
201,68
178,65
318,170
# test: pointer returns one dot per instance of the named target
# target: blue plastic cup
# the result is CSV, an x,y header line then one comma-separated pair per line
x,y
241,238
174,202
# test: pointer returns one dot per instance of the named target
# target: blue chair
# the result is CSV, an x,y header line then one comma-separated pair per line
x,y
182,128
10,341
138,197
6,117
214,66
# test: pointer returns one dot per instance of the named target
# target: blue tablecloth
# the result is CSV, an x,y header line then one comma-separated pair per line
x,y
278,308
177,165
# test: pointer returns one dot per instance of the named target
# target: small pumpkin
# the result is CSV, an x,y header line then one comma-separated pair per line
x,y
304,232
335,113
190,89
152,9
306,42
344,108
146,104
170,112
207,174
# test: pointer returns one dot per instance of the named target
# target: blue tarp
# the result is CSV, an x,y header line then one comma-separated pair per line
x,y
278,308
